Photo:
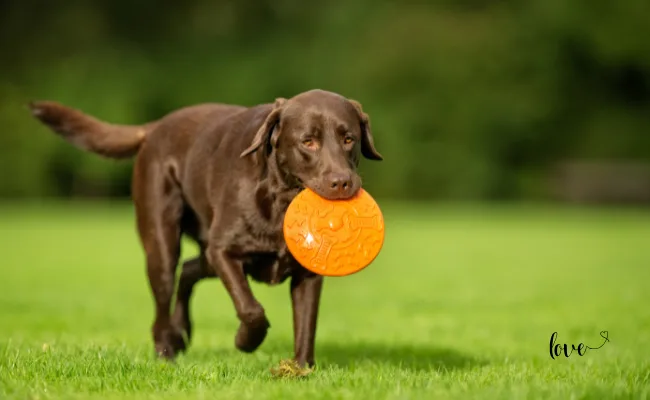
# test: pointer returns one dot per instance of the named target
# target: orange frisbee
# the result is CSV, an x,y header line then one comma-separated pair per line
x,y
334,237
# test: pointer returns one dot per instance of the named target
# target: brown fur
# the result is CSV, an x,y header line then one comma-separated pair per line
x,y
224,175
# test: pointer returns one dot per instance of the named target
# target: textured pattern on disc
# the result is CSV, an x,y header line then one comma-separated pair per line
x,y
334,237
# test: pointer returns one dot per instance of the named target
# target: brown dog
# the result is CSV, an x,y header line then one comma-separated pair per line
x,y
224,175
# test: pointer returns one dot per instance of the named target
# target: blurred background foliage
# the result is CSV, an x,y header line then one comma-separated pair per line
x,y
469,99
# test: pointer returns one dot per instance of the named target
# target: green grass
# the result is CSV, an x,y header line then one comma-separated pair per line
x,y
461,303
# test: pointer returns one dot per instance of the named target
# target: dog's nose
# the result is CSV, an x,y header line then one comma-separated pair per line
x,y
340,183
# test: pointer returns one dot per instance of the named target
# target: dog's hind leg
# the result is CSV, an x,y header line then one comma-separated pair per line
x,y
193,271
159,208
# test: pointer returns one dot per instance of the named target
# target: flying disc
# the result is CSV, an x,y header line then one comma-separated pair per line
x,y
334,237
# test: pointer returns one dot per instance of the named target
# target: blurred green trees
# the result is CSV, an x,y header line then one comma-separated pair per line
x,y
469,99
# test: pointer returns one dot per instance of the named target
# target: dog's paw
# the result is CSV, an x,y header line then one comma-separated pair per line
x,y
177,340
250,336
165,351
182,326
170,343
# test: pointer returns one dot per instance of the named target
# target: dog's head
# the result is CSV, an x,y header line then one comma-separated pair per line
x,y
317,139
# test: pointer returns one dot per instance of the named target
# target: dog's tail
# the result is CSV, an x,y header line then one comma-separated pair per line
x,y
91,134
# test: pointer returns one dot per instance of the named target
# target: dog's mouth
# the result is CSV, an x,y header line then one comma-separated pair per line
x,y
318,188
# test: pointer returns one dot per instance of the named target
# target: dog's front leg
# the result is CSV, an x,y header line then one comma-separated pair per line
x,y
305,298
250,312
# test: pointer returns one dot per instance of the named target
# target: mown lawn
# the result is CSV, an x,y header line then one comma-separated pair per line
x,y
461,303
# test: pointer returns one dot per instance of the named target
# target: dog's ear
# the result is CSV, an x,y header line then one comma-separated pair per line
x,y
367,142
267,133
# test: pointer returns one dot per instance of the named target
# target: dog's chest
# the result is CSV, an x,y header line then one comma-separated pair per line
x,y
264,251
267,258
270,268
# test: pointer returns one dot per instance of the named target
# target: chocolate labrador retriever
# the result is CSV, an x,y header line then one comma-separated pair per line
x,y
224,175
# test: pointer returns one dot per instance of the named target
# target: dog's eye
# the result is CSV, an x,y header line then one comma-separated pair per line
x,y
309,143
348,140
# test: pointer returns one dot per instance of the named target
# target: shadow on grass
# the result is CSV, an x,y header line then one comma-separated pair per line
x,y
346,355
413,358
